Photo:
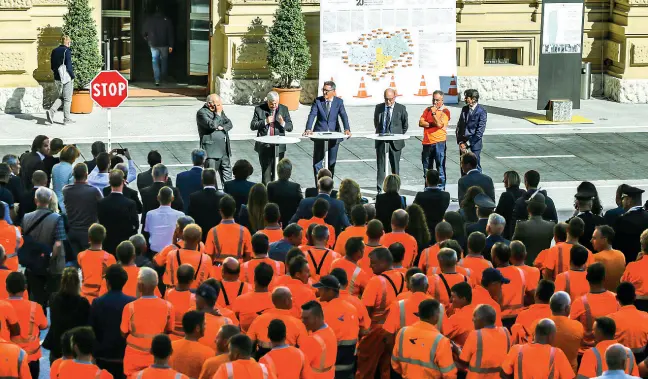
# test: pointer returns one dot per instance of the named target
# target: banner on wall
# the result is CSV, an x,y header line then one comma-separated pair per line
x,y
367,46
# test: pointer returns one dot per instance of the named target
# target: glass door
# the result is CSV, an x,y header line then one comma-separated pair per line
x,y
200,32
116,25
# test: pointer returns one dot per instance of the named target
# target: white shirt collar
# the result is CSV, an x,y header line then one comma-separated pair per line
x,y
474,169
212,187
42,157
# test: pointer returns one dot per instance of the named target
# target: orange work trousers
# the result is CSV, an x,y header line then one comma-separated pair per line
x,y
374,353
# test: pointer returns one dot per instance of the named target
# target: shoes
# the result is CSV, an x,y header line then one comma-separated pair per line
x,y
157,84
68,122
48,113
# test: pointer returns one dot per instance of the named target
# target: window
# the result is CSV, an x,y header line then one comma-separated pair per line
x,y
458,57
503,56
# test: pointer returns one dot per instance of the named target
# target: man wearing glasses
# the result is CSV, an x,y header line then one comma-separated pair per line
x,y
326,112
389,118
434,122
471,126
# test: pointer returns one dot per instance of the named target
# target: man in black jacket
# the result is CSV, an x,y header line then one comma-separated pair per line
x,y
531,182
60,56
150,194
433,200
631,224
158,32
270,119
145,178
117,213
33,160
203,204
96,148
584,201
336,215
473,177
14,184
389,117
213,129
127,191
284,193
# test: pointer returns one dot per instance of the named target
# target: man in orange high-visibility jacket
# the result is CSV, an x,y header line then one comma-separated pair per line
x,y
518,257
15,364
375,232
342,317
4,272
557,259
486,346
11,239
490,289
142,320
592,364
260,246
374,349
188,353
363,316
460,323
442,232
182,298
126,256
354,250
211,365
160,258
631,323
521,330
228,239
446,276
94,262
398,253
613,260
514,294
241,364
475,261
523,361
403,313
285,361
190,254
271,217
214,320
83,365
320,257
420,350
231,286
161,349
283,304
249,306
408,275
298,283
66,351
597,303
574,281
320,211
358,228
637,274
399,222
320,347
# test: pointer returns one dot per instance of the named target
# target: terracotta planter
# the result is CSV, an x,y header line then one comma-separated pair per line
x,y
81,102
289,97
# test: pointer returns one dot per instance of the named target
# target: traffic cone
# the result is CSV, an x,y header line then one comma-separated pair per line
x,y
422,88
452,90
392,85
362,91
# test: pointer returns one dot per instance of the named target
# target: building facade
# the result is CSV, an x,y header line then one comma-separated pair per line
x,y
221,44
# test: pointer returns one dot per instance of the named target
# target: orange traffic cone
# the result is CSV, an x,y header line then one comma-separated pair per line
x,y
362,91
452,90
392,85
422,88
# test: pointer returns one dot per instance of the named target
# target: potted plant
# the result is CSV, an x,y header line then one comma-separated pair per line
x,y
288,54
79,25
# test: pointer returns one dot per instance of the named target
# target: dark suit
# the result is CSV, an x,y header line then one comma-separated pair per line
x,y
434,202
129,193
214,141
628,228
386,204
490,241
150,201
398,124
239,190
479,226
91,164
536,234
266,152
612,215
591,222
326,123
29,163
118,214
336,216
15,187
505,208
313,191
145,179
203,207
470,129
520,212
286,195
476,178
26,205
188,182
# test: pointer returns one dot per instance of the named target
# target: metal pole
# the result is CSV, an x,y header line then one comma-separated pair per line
x,y
276,161
109,117
326,143
108,57
386,159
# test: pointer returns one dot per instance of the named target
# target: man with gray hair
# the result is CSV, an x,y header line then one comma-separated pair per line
x,y
270,119
47,229
616,357
494,229
434,122
150,198
389,118
190,181
141,251
15,183
285,193
161,222
569,333
404,312
213,129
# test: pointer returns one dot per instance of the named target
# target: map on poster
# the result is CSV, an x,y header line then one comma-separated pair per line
x,y
562,31
367,46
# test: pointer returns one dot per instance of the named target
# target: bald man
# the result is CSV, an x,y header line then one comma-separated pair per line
x,y
213,127
389,118
189,254
231,285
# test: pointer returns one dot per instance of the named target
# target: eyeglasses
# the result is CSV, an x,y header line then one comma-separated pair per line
x,y
437,100
324,90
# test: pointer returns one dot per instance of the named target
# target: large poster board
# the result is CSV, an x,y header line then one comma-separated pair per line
x,y
367,46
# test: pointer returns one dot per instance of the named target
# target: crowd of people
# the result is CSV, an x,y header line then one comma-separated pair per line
x,y
275,281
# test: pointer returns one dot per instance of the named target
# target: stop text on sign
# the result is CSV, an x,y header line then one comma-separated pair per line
x,y
108,89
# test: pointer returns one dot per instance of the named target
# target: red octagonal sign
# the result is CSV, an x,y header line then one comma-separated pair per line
x,y
109,89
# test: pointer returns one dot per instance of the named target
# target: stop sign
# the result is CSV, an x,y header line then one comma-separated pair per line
x,y
109,89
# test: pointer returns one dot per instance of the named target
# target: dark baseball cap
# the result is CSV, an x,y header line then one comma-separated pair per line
x,y
207,292
328,281
484,201
491,275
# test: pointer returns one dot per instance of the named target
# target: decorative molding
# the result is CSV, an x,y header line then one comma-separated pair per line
x,y
591,46
49,2
15,4
613,51
12,61
639,53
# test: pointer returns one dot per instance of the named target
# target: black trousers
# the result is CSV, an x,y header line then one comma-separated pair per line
x,y
34,368
78,240
41,288
115,368
267,162
223,166
394,163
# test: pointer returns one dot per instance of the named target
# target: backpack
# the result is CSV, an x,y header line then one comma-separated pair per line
x,y
33,254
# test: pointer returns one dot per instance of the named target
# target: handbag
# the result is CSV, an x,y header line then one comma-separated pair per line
x,y
62,71
35,255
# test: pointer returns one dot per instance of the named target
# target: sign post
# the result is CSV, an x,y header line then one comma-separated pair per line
x,y
109,89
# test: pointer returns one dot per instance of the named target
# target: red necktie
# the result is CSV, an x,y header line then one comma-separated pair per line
x,y
272,124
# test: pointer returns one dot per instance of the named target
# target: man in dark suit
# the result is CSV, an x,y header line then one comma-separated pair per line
x,y
145,178
584,201
270,119
203,204
213,129
474,177
313,191
484,206
26,202
326,112
117,213
494,229
150,193
471,126
128,192
190,181
284,193
32,161
631,224
433,200
389,118
96,148
613,214
532,182
14,184
336,216
535,233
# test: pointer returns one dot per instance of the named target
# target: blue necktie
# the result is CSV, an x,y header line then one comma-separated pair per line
x,y
387,126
